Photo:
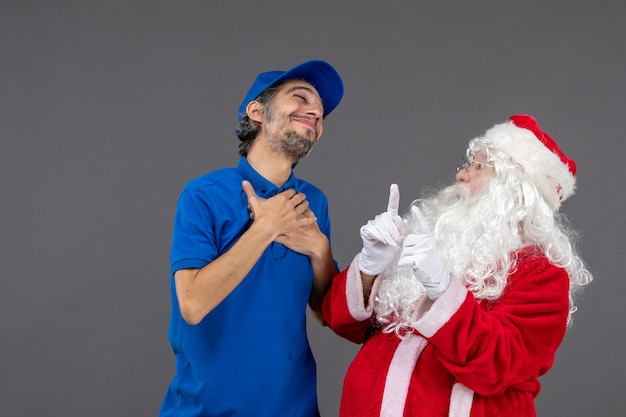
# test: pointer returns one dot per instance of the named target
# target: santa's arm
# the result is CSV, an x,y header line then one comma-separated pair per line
x,y
345,309
491,348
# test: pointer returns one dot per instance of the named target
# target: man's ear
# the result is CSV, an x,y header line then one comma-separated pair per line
x,y
254,109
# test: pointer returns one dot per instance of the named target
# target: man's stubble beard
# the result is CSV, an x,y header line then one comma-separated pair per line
x,y
287,141
295,145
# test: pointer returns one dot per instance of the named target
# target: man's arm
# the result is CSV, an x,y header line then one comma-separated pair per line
x,y
310,241
199,291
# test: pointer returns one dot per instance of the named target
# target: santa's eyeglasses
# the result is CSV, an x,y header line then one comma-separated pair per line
x,y
467,162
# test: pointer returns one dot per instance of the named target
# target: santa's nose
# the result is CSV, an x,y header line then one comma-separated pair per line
x,y
462,176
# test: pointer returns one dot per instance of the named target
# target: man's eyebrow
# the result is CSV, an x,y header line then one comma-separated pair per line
x,y
301,87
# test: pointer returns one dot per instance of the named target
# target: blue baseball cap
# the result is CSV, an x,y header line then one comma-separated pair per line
x,y
319,74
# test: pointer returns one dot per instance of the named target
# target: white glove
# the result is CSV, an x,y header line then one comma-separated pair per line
x,y
419,252
382,237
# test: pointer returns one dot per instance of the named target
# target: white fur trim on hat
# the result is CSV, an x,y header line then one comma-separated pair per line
x,y
544,168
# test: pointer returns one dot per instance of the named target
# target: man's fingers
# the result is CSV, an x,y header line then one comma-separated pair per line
x,y
251,195
291,193
248,189
394,199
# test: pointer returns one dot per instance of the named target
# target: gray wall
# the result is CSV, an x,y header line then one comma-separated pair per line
x,y
109,107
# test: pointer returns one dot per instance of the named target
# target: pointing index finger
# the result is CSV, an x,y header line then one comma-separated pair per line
x,y
394,199
420,220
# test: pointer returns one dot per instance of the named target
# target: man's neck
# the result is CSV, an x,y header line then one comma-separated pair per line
x,y
273,166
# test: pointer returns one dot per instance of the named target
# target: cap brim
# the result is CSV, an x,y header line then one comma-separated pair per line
x,y
323,77
320,74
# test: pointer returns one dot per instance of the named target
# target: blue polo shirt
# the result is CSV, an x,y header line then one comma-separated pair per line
x,y
250,356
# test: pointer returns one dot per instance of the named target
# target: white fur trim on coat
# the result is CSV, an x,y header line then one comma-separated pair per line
x,y
354,293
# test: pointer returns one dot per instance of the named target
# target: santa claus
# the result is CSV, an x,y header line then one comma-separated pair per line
x,y
462,303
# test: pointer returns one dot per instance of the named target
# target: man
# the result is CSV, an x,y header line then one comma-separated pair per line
x,y
251,247
464,320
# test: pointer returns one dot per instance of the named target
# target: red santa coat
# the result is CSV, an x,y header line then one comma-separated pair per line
x,y
465,357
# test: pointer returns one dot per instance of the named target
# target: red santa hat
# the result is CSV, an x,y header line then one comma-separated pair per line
x,y
538,155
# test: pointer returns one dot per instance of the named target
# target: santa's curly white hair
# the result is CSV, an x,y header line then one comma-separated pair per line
x,y
478,235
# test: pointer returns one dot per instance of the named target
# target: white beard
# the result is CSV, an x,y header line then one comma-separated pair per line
x,y
475,238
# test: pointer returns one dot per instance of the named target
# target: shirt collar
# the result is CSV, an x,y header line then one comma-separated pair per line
x,y
262,186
